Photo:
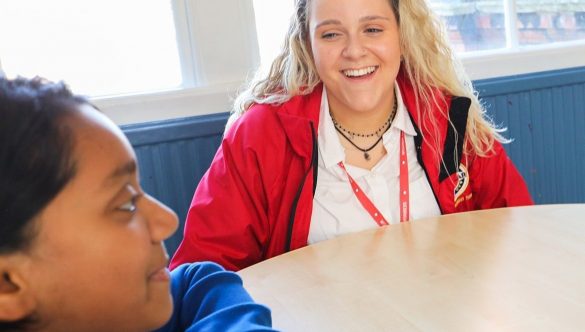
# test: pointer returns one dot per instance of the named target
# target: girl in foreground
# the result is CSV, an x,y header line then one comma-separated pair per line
x,y
81,245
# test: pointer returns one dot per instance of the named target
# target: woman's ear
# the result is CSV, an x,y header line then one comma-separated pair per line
x,y
16,300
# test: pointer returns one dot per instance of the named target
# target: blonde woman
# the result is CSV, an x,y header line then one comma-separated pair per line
x,y
364,120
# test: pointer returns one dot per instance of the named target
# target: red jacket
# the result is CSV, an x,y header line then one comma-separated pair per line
x,y
256,200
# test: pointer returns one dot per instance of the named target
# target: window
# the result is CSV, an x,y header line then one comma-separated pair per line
x,y
272,20
138,60
98,47
491,24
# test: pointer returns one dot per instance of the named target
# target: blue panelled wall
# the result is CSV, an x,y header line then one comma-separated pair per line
x,y
172,156
544,113
545,116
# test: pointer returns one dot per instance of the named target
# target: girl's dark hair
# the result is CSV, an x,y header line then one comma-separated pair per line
x,y
35,159
35,153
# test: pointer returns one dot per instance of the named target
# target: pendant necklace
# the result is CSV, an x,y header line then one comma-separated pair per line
x,y
349,135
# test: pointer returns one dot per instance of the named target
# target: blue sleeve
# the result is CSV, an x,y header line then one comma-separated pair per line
x,y
208,298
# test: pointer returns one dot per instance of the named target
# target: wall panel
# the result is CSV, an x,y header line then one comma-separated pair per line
x,y
545,117
173,156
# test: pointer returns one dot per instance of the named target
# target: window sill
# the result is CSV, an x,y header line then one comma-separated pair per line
x,y
171,104
525,60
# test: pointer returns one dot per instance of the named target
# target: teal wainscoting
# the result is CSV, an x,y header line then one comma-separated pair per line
x,y
545,116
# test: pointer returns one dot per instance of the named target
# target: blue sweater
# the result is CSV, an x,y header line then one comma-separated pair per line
x,y
208,298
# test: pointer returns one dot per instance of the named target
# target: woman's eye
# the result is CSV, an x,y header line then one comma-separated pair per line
x,y
129,206
329,35
373,30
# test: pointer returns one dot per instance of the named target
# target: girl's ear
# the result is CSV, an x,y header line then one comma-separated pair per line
x,y
16,300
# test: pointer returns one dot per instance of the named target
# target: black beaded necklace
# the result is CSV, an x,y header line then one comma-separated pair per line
x,y
379,132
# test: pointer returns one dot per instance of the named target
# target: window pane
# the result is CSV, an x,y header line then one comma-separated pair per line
x,y
99,47
546,21
272,20
473,25
479,24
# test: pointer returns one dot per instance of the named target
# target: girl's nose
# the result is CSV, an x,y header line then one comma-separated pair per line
x,y
354,48
163,222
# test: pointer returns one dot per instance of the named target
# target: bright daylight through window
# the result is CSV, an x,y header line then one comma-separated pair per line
x,y
99,47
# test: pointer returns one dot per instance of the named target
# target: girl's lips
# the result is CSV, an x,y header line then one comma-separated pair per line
x,y
360,75
359,72
160,275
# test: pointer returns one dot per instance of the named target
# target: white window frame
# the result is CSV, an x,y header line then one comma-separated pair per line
x,y
218,49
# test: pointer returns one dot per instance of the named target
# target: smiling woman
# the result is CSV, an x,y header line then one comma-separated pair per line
x,y
81,245
365,119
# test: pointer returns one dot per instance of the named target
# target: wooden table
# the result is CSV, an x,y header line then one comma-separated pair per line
x,y
513,269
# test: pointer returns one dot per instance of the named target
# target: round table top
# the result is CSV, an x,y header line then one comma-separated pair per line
x,y
511,269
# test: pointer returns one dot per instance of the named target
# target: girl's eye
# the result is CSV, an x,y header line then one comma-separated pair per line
x,y
329,35
129,206
373,30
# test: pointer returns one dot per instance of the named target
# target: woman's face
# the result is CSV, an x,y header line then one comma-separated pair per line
x,y
356,49
98,262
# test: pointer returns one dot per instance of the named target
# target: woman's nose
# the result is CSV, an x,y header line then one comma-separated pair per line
x,y
162,221
354,48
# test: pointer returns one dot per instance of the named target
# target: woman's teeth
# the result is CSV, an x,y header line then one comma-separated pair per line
x,y
359,72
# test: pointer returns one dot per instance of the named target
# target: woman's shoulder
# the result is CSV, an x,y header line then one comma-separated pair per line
x,y
272,121
187,276
260,123
198,270
304,105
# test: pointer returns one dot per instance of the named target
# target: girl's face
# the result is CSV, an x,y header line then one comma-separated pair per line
x,y
356,49
98,261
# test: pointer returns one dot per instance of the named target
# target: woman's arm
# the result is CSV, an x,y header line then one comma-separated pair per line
x,y
208,298
227,221
497,183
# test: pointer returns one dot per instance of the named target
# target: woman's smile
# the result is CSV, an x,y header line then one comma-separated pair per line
x,y
360,73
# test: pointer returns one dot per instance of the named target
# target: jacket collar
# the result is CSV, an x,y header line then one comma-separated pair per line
x,y
296,116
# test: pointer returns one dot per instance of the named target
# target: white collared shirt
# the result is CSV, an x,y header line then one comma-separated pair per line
x,y
336,210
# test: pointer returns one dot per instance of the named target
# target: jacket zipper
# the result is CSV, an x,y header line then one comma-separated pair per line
x,y
313,166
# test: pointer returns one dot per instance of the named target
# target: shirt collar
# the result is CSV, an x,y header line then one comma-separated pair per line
x,y
330,148
402,118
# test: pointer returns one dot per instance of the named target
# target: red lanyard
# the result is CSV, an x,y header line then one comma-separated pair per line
x,y
404,191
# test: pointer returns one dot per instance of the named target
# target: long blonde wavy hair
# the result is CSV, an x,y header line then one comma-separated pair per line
x,y
428,62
